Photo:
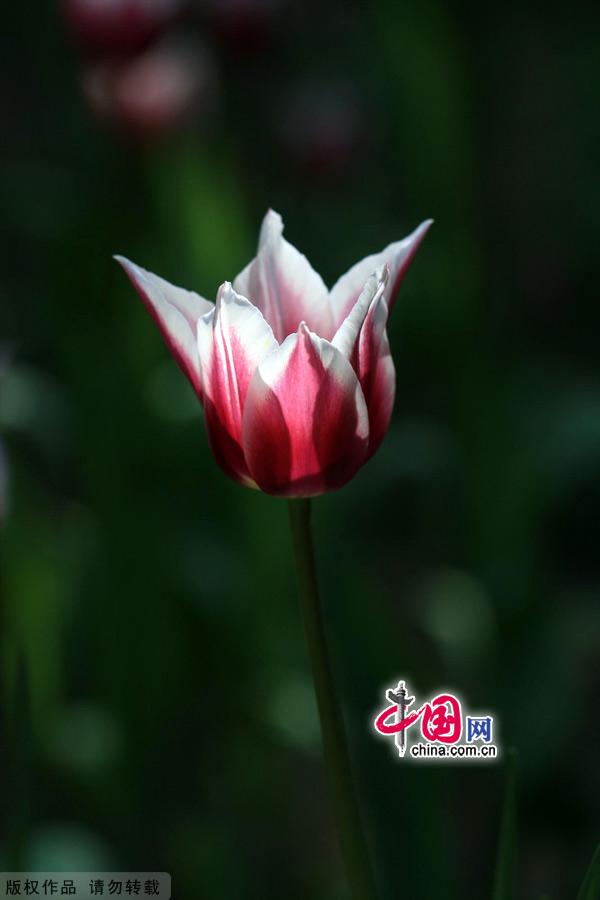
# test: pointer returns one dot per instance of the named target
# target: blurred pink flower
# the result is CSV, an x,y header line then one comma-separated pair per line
x,y
153,93
118,26
297,382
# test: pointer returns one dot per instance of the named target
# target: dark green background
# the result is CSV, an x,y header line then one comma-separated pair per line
x,y
157,703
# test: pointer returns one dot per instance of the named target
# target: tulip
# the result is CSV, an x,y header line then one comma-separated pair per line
x,y
297,382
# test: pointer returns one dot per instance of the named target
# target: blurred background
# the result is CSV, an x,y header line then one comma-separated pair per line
x,y
157,708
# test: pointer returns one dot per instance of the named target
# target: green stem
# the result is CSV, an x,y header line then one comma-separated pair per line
x,y
337,760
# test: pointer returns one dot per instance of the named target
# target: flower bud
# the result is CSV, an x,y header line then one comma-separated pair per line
x,y
297,382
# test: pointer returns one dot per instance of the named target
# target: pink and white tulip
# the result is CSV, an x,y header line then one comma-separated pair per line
x,y
297,382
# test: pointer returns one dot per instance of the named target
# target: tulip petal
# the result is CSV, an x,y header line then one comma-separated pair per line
x,y
305,427
283,285
271,228
398,256
347,334
233,339
373,363
176,312
363,340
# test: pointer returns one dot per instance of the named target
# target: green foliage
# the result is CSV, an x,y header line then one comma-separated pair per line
x,y
590,887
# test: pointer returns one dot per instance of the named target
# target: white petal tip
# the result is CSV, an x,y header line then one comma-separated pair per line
x,y
419,233
227,295
375,284
271,228
382,274
136,273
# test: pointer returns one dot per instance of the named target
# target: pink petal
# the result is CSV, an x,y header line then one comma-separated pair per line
x,y
362,339
398,257
305,419
176,312
346,336
283,285
233,339
373,363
